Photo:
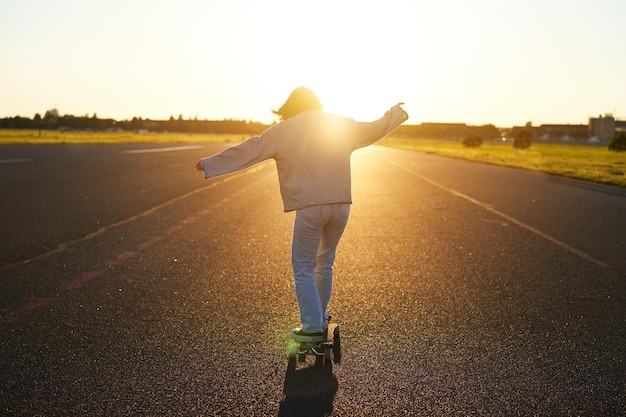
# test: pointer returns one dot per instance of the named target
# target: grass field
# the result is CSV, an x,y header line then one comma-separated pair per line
x,y
15,137
591,163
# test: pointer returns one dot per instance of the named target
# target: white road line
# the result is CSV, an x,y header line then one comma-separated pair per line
x,y
489,208
36,304
61,247
14,160
33,305
168,149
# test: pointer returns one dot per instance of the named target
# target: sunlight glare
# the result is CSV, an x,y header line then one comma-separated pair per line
x,y
348,62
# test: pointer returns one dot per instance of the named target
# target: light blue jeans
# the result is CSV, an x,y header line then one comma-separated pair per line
x,y
316,234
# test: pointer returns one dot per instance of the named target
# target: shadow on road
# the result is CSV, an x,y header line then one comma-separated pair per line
x,y
309,391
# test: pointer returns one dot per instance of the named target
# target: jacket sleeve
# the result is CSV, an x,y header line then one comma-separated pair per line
x,y
242,156
368,133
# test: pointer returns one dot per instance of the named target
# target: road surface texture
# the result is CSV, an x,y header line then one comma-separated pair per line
x,y
131,286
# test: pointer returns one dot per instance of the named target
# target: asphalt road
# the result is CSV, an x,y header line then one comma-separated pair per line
x,y
131,286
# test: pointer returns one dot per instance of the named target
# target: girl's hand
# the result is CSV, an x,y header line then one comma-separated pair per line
x,y
199,166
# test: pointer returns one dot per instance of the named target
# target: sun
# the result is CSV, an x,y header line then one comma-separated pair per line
x,y
349,90
347,63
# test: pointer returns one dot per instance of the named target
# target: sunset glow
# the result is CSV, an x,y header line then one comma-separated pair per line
x,y
477,62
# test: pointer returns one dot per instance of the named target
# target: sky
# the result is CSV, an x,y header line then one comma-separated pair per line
x,y
501,62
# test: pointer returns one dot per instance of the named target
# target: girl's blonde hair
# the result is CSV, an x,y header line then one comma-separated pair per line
x,y
300,100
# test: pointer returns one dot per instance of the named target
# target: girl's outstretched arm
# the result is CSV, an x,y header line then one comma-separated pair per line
x,y
236,158
369,133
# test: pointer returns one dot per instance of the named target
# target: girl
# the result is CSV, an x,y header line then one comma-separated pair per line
x,y
312,152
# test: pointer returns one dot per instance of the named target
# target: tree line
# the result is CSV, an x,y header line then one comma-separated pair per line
x,y
52,120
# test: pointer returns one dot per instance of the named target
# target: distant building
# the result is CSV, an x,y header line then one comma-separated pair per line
x,y
620,126
602,127
450,131
564,133
552,132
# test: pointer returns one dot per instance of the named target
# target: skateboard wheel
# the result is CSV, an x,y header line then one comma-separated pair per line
x,y
292,352
337,346
319,360
328,353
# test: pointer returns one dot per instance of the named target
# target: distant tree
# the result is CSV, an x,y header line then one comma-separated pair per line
x,y
37,121
472,141
51,118
523,139
51,114
136,123
618,143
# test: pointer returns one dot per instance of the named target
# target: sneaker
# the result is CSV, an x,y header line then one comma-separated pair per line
x,y
326,322
299,335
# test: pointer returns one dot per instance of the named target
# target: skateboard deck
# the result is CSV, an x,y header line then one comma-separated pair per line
x,y
329,349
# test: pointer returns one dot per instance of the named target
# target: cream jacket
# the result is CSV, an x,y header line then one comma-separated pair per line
x,y
312,153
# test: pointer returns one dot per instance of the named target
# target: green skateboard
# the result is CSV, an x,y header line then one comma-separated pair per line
x,y
329,349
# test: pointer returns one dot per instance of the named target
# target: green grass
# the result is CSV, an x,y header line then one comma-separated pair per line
x,y
14,137
591,163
